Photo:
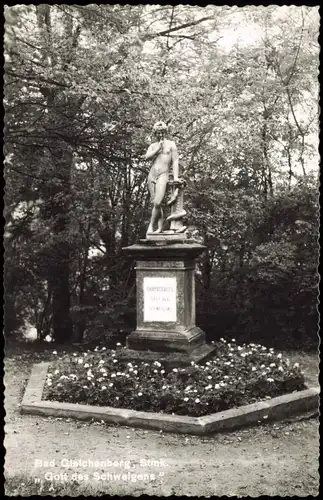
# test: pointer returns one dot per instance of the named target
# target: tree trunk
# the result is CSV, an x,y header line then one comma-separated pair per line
x,y
62,324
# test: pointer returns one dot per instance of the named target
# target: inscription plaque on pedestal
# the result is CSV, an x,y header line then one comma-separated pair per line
x,y
159,299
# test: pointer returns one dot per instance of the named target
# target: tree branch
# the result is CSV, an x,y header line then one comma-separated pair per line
x,y
177,28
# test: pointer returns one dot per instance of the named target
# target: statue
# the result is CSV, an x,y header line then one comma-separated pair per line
x,y
163,154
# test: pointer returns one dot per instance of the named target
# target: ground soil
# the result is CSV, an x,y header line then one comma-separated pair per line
x,y
274,459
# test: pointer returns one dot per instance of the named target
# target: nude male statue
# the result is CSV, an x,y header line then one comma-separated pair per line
x,y
163,154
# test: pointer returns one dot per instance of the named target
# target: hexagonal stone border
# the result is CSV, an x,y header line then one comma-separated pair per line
x,y
274,409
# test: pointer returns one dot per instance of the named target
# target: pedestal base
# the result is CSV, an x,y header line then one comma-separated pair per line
x,y
167,236
199,355
164,341
165,279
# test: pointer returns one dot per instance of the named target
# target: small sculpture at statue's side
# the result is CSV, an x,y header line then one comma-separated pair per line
x,y
163,154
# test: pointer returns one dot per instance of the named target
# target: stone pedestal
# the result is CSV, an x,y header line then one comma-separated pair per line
x,y
165,279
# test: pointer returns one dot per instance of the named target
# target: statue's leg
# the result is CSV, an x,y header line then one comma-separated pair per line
x,y
152,191
160,222
161,185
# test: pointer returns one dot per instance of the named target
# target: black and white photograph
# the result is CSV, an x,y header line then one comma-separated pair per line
x,y
161,250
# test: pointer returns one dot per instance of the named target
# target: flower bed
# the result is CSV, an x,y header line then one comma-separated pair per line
x,y
236,376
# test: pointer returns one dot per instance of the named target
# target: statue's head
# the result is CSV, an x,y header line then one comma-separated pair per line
x,y
160,128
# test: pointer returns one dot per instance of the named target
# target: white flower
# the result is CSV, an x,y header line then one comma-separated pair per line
x,y
217,386
135,372
56,372
117,398
119,373
85,387
208,387
162,371
139,393
113,355
103,349
84,353
279,355
54,352
86,365
262,366
130,369
253,369
239,378
197,400
185,399
49,382
280,368
129,364
101,362
103,387
155,371
50,374
156,363
296,365
111,384
118,344
209,377
195,390
175,370
233,340
113,375
74,354
96,349
115,361
264,374
80,361
270,379
207,363
272,365
104,374
164,387
193,363
188,388
226,376
127,375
